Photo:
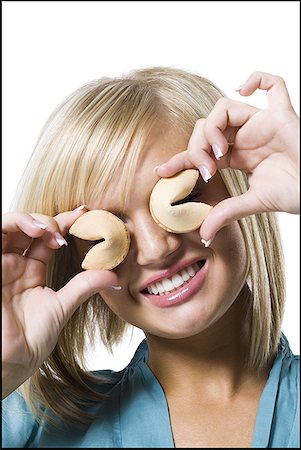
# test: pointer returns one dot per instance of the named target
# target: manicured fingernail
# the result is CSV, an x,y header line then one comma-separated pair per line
x,y
239,88
206,175
116,288
40,225
217,151
206,243
81,207
59,239
155,169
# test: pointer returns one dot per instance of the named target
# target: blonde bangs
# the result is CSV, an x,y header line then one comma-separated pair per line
x,y
85,144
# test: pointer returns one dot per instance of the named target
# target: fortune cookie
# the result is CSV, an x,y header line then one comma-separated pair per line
x,y
181,218
102,225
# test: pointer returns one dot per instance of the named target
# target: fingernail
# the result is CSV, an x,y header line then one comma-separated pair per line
x,y
81,207
116,288
217,151
59,239
239,88
206,243
155,169
206,175
40,225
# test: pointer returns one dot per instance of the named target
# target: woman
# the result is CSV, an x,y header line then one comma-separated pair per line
x,y
214,370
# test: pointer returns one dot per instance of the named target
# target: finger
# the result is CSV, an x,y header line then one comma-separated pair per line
x,y
199,150
196,156
67,218
222,123
174,165
42,249
18,229
57,226
277,93
210,137
81,287
228,211
49,241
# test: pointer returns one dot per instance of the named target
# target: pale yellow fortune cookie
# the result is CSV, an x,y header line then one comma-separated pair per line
x,y
181,218
97,225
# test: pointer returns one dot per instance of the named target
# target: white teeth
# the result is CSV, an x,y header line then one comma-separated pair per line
x,y
191,271
177,280
185,275
154,289
167,284
160,287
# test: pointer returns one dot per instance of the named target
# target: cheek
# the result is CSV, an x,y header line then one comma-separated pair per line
x,y
232,261
120,302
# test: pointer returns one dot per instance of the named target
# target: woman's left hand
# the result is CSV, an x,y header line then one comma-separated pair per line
x,y
264,144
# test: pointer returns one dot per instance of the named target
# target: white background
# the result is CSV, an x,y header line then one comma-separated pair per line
x,y
51,48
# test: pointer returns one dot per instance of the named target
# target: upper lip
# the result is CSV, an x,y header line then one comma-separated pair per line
x,y
170,271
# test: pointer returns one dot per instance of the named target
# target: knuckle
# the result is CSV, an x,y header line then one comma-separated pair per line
x,y
15,216
191,154
279,79
264,75
222,102
199,124
47,220
222,105
208,125
61,312
257,73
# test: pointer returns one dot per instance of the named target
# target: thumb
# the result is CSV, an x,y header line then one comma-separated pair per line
x,y
81,287
228,211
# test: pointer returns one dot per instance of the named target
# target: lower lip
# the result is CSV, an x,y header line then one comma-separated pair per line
x,y
181,294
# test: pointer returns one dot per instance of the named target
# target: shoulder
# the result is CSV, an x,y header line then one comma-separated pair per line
x,y
290,365
18,422
108,381
287,408
21,430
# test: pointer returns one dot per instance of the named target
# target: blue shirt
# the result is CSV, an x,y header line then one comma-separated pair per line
x,y
135,415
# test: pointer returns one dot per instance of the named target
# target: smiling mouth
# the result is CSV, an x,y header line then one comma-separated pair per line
x,y
176,281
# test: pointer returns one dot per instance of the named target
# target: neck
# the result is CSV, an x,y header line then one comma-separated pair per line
x,y
215,358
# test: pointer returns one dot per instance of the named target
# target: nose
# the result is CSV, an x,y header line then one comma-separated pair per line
x,y
152,243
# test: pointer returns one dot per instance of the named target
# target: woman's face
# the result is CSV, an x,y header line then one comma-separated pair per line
x,y
156,255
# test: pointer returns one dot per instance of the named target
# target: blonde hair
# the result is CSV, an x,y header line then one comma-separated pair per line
x,y
99,128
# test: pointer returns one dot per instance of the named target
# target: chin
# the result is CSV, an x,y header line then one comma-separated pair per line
x,y
185,324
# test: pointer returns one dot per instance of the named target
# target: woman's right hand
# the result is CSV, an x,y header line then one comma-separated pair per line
x,y
33,315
